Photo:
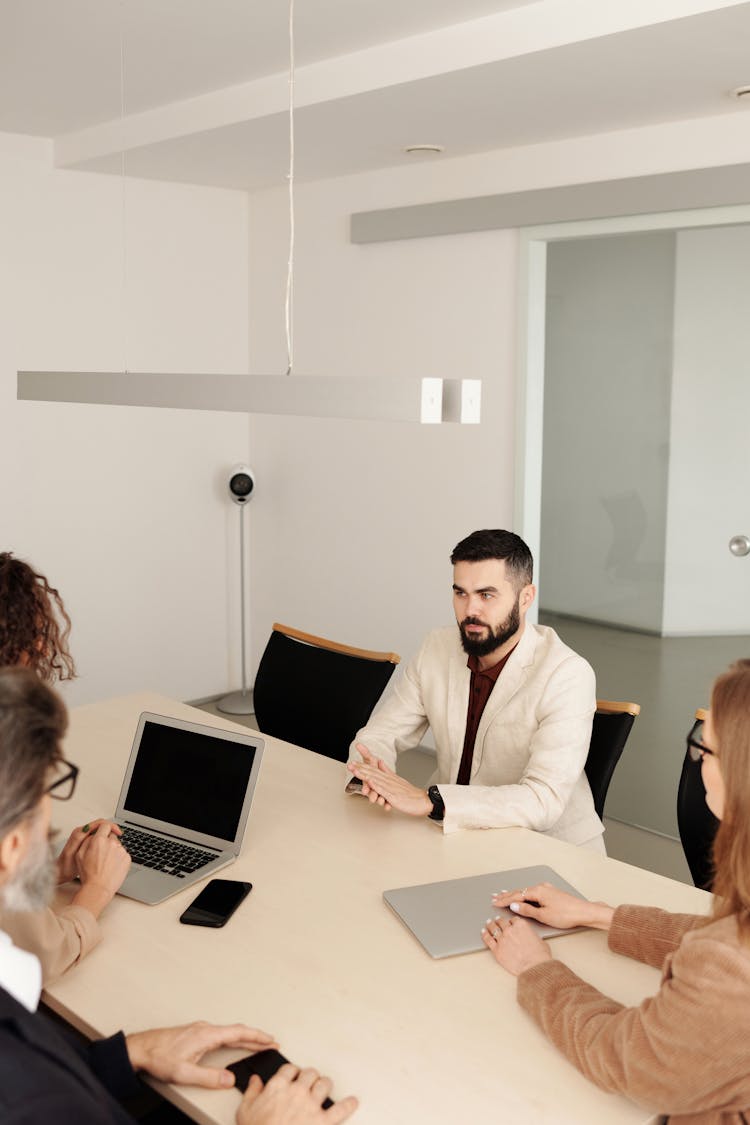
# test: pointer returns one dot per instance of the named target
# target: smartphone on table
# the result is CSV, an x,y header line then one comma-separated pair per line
x,y
216,903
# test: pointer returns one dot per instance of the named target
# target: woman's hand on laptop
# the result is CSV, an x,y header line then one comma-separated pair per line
x,y
173,1054
66,861
548,904
514,944
102,864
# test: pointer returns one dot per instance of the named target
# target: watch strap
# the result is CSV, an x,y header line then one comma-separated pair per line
x,y
438,804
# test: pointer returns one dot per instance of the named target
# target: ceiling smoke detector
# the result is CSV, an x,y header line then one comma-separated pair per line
x,y
424,150
740,92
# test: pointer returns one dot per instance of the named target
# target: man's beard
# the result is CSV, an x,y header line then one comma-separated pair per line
x,y
495,638
33,884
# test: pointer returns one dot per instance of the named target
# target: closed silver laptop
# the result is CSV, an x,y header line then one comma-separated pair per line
x,y
184,803
447,918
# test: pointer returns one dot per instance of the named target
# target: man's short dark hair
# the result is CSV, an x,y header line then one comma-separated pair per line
x,y
498,544
33,721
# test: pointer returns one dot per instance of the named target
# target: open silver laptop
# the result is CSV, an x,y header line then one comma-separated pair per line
x,y
447,918
184,803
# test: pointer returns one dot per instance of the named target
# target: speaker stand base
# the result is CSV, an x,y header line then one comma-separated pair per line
x,y
236,703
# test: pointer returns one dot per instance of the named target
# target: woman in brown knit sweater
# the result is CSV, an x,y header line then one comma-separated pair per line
x,y
685,1052
34,629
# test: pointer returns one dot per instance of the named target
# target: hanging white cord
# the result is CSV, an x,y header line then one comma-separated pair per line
x,y
124,318
290,265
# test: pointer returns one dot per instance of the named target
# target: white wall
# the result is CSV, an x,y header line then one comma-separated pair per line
x,y
354,521
707,588
606,427
123,509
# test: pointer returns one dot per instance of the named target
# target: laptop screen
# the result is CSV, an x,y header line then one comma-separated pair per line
x,y
194,780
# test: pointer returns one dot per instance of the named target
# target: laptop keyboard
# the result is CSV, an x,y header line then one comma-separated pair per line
x,y
169,856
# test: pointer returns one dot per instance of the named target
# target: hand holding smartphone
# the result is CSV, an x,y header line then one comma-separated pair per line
x,y
216,903
264,1064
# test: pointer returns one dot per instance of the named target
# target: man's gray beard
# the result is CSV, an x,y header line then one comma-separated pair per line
x,y
33,884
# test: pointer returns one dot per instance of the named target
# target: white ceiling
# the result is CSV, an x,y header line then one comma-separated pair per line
x,y
205,83
60,59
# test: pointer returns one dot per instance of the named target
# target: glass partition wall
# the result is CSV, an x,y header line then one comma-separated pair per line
x,y
637,409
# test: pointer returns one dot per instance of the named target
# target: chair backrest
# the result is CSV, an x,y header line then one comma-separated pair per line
x,y
696,823
317,693
609,733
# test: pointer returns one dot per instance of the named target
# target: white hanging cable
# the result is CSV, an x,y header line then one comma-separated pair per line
x,y
289,312
124,318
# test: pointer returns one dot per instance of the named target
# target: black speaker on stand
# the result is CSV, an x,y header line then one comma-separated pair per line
x,y
241,488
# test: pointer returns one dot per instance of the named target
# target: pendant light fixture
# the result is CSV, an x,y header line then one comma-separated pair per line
x,y
412,399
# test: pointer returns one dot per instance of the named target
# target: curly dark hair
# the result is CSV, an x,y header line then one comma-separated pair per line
x,y
34,626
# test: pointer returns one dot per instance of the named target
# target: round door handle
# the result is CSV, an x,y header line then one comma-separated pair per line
x,y
739,545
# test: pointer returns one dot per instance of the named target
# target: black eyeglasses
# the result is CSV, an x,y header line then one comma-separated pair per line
x,y
63,787
695,744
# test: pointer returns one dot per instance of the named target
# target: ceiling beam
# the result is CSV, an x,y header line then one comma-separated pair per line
x,y
504,35
637,195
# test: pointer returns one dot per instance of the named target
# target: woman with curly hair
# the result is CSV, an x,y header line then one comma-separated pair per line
x,y
34,625
34,631
684,1052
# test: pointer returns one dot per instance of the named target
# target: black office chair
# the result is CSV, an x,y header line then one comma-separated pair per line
x,y
317,693
612,725
696,823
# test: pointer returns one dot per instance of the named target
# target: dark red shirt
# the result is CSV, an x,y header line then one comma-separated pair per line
x,y
480,690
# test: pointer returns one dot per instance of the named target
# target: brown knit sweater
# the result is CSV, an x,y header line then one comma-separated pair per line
x,y
684,1052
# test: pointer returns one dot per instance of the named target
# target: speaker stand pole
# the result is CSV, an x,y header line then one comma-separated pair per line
x,y
240,702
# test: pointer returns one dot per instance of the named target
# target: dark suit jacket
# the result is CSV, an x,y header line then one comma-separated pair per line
x,y
45,1079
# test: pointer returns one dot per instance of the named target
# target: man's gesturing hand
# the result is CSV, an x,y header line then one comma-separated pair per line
x,y
383,787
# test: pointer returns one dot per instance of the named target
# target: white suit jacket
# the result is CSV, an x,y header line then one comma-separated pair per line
x,y
531,744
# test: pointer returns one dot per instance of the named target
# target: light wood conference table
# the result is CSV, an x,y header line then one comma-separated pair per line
x,y
315,956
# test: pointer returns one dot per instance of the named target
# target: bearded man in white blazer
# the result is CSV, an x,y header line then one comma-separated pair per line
x,y
509,705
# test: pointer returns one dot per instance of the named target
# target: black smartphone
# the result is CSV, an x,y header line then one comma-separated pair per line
x,y
264,1064
216,903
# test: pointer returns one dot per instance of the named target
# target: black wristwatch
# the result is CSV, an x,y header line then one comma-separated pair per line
x,y
438,804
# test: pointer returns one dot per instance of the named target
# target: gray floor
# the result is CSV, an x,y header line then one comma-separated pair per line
x,y
670,677
630,844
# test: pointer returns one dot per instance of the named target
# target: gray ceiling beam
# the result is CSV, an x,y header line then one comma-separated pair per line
x,y
637,195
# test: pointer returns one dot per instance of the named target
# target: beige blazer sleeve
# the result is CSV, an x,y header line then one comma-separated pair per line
x,y
59,938
400,722
684,1051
